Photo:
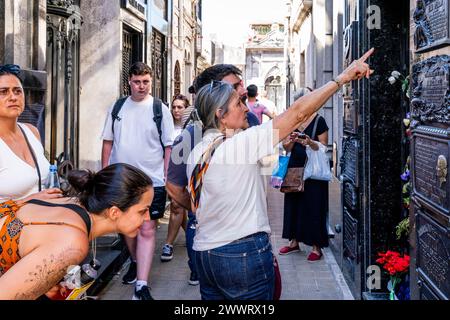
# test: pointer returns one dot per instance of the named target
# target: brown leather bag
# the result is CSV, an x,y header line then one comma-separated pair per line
x,y
293,181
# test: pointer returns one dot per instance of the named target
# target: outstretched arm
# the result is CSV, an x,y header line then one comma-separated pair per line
x,y
302,108
39,271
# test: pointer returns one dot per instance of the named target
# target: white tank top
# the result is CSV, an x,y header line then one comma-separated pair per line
x,y
17,178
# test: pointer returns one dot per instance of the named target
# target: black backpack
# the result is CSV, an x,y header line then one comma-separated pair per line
x,y
157,115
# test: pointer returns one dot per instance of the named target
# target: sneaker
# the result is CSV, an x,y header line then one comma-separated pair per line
x,y
143,294
193,279
313,257
167,253
288,250
130,276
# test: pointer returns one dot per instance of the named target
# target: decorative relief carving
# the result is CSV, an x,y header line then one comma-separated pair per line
x,y
432,24
441,170
349,160
430,90
60,3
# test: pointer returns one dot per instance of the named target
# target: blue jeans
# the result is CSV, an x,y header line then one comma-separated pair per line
x,y
190,233
241,270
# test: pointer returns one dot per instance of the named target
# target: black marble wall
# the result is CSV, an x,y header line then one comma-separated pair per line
x,y
373,149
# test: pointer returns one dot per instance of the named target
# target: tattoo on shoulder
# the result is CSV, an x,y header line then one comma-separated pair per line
x,y
48,274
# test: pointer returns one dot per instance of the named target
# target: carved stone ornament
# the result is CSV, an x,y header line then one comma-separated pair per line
x,y
441,170
60,3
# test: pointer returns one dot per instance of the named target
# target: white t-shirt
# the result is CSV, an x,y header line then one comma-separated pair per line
x,y
233,198
136,138
18,178
177,131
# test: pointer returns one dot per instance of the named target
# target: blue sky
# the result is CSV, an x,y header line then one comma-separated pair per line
x,y
230,19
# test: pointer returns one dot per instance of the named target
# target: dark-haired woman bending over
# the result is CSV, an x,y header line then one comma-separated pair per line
x,y
55,234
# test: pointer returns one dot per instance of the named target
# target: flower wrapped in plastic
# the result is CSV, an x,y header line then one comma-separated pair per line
x,y
396,265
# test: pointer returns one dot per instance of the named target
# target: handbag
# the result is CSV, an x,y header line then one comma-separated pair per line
x,y
318,165
293,181
279,172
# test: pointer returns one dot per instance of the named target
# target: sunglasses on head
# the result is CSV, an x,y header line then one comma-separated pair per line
x,y
216,84
10,68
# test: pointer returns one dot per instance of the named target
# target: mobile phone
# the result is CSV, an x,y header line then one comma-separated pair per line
x,y
301,135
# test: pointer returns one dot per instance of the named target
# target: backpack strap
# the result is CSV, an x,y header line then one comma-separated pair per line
x,y
157,117
116,109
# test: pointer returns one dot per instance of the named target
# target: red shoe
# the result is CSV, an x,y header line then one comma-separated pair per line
x,y
288,250
314,257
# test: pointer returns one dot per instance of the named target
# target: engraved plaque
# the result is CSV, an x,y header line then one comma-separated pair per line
x,y
350,160
350,196
430,101
426,151
350,243
433,253
432,24
350,116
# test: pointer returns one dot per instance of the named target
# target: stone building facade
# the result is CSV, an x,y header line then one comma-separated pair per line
x,y
184,33
76,54
264,61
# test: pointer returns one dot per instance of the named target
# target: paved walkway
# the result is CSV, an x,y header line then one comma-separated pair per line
x,y
301,280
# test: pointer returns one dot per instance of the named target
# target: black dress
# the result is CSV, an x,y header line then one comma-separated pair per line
x,y
305,213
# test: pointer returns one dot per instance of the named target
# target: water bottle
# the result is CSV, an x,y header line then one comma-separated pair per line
x,y
89,271
53,179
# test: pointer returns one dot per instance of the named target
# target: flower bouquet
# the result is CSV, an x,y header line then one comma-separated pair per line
x,y
396,265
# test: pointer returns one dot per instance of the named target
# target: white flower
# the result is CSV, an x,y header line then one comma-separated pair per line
x,y
406,122
392,80
396,74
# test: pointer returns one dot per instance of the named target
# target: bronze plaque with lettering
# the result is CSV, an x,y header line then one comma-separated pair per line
x,y
430,101
433,253
430,154
432,24
350,116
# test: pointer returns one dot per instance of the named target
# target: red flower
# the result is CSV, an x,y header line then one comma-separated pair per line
x,y
393,262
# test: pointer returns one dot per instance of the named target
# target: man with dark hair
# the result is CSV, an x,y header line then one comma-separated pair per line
x,y
176,177
134,135
254,105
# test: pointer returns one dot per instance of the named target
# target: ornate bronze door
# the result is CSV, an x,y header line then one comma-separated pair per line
x,y
63,27
158,65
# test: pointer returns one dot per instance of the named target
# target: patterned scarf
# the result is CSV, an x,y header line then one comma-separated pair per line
x,y
196,181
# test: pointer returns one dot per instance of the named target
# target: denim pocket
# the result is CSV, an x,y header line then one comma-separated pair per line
x,y
243,270
229,272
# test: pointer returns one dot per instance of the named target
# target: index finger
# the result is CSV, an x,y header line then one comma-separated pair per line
x,y
366,55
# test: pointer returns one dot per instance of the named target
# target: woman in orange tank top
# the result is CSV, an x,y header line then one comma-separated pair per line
x,y
35,253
